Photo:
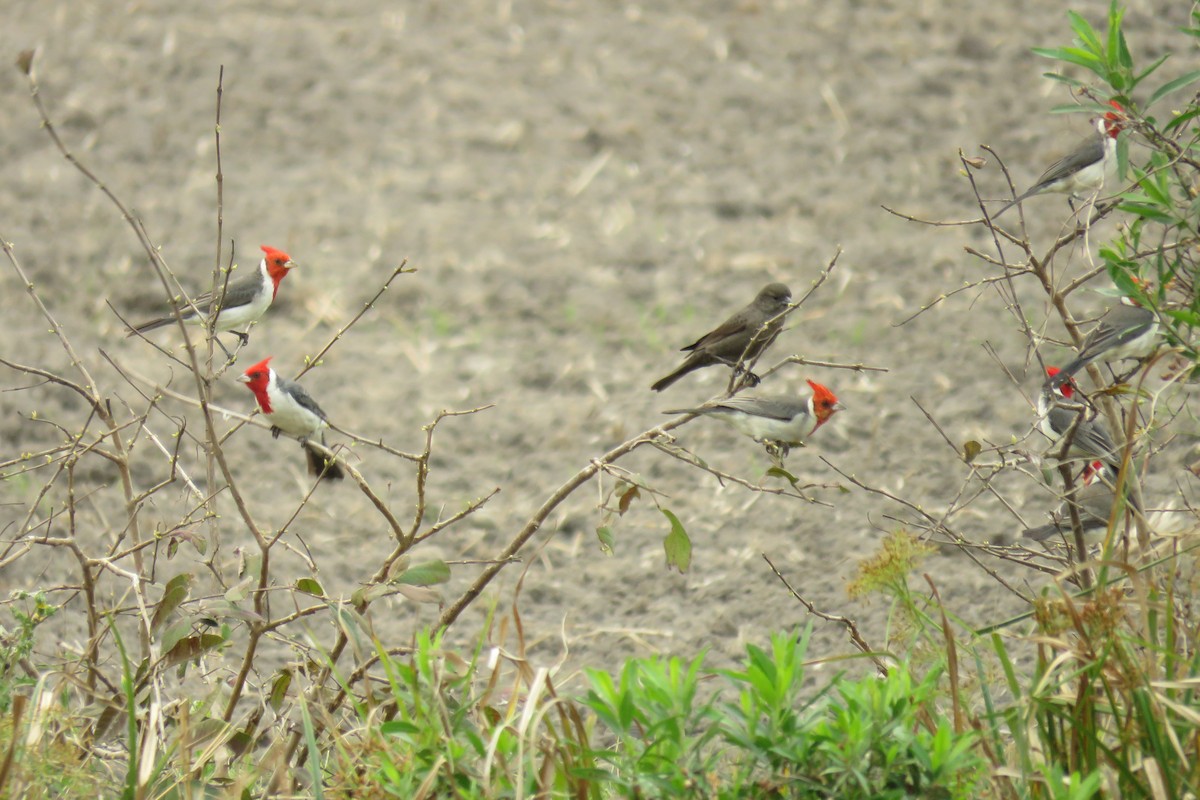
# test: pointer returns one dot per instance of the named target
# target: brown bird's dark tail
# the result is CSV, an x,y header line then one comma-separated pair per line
x,y
693,362
663,383
318,464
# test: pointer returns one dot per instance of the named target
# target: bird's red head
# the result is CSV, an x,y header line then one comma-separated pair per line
x,y
1091,472
824,403
1114,121
1068,388
257,378
278,263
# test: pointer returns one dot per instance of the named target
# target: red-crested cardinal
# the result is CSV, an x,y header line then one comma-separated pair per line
x,y
1057,412
779,420
1083,171
245,300
1126,331
291,410
1093,501
742,337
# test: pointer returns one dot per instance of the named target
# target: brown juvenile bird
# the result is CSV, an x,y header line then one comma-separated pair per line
x,y
728,342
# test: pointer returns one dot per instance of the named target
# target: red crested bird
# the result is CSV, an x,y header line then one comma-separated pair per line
x,y
780,420
1126,331
244,301
1057,412
1093,500
291,409
1083,171
742,337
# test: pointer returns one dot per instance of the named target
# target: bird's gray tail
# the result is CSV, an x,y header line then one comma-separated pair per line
x,y
1041,533
1006,207
150,325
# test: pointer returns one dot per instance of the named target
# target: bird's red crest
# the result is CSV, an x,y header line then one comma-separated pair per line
x,y
259,371
257,378
275,255
1091,472
823,400
278,263
1067,388
1114,121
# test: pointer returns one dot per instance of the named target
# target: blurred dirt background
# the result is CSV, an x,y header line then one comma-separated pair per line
x,y
583,187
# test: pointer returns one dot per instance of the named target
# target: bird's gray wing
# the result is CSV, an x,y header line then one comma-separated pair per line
x,y
302,396
780,408
1088,151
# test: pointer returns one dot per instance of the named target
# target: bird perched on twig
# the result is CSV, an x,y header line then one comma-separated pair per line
x,y
1083,171
742,337
291,409
778,421
1126,331
1057,413
244,301
1093,499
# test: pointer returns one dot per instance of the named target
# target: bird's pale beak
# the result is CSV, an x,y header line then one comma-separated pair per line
x,y
243,378
290,264
839,406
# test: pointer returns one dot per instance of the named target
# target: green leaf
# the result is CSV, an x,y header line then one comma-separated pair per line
x,y
175,593
398,727
279,688
605,535
1171,86
317,782
1151,212
1181,119
425,574
1076,108
174,633
310,586
1069,81
398,567
1155,193
1123,280
1183,316
237,592
780,472
971,449
677,544
370,593
1117,50
1073,55
1084,30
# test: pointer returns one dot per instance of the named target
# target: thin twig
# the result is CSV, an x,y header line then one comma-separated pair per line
x,y
851,629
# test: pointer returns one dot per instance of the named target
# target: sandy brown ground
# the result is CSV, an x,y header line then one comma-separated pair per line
x,y
583,187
